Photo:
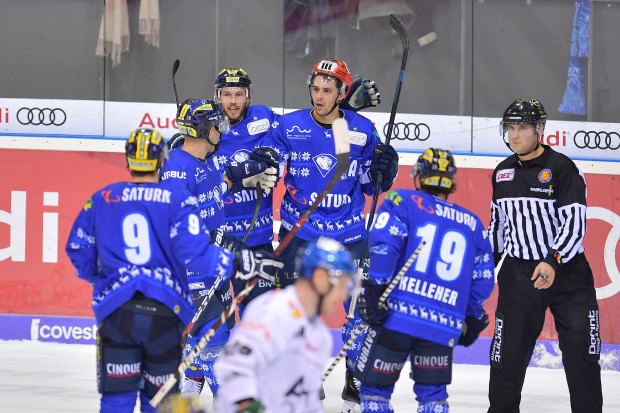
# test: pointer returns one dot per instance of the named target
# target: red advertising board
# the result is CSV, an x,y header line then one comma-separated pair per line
x,y
42,191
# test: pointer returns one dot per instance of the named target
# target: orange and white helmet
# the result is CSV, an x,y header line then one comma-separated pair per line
x,y
335,68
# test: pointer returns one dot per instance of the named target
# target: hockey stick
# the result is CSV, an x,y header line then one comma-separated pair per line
x,y
175,67
342,148
218,280
399,28
381,303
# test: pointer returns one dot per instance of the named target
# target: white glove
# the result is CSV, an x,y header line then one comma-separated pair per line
x,y
266,179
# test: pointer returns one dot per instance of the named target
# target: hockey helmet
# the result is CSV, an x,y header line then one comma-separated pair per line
x,y
196,116
231,77
523,111
335,68
328,254
436,168
145,149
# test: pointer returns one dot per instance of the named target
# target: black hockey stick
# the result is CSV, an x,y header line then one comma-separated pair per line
x,y
175,67
381,303
399,28
259,200
342,148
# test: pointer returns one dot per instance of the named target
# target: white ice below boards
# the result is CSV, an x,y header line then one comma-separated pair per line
x,y
50,378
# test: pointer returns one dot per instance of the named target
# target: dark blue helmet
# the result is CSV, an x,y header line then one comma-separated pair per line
x,y
329,254
196,117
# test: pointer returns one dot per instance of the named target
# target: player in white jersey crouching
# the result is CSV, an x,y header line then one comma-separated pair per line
x,y
274,360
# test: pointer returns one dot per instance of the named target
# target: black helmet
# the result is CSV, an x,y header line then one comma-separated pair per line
x,y
231,77
436,170
525,111
145,149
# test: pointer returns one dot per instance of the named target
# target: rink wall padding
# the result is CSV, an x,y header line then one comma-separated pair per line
x,y
41,192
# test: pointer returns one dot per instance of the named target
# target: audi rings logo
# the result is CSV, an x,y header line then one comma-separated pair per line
x,y
600,140
44,116
409,131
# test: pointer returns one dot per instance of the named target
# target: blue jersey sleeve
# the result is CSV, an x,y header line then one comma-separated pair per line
x,y
81,246
191,242
483,275
368,187
387,239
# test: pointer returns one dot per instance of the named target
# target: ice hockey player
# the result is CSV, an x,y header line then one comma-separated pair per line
x,y
194,166
304,140
437,303
275,358
134,242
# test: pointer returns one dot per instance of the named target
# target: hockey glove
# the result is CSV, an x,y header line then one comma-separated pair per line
x,y
384,161
362,94
255,407
249,264
231,243
269,156
250,173
472,327
368,303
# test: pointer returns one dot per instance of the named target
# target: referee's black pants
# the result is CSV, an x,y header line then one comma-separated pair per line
x,y
519,320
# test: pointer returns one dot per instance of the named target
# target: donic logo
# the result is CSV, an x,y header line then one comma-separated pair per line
x,y
597,140
41,116
409,131
325,163
295,127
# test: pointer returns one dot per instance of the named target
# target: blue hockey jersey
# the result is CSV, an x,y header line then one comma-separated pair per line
x,y
308,150
245,136
452,276
201,179
142,237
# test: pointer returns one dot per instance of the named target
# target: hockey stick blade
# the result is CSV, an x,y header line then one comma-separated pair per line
x,y
175,68
342,147
381,303
400,29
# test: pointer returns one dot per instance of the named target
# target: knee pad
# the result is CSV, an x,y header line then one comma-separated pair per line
x,y
430,393
194,370
378,365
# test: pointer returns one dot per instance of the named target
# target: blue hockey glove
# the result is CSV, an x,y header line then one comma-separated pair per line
x,y
368,303
249,173
384,160
249,264
224,240
362,94
472,327
255,407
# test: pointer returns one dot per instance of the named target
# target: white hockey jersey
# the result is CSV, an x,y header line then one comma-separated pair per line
x,y
276,355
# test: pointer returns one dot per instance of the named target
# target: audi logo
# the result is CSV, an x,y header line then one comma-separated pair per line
x,y
409,131
600,140
44,116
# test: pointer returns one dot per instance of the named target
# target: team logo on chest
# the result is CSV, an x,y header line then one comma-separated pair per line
x,y
324,163
545,175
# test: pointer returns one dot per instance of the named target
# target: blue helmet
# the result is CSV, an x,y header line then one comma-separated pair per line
x,y
196,116
329,254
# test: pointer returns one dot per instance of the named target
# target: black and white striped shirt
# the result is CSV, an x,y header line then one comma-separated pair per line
x,y
539,208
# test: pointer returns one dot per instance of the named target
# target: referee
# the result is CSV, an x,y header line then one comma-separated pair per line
x,y
538,220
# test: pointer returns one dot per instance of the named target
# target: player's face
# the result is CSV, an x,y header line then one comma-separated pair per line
x,y
522,137
234,101
340,290
325,94
214,138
